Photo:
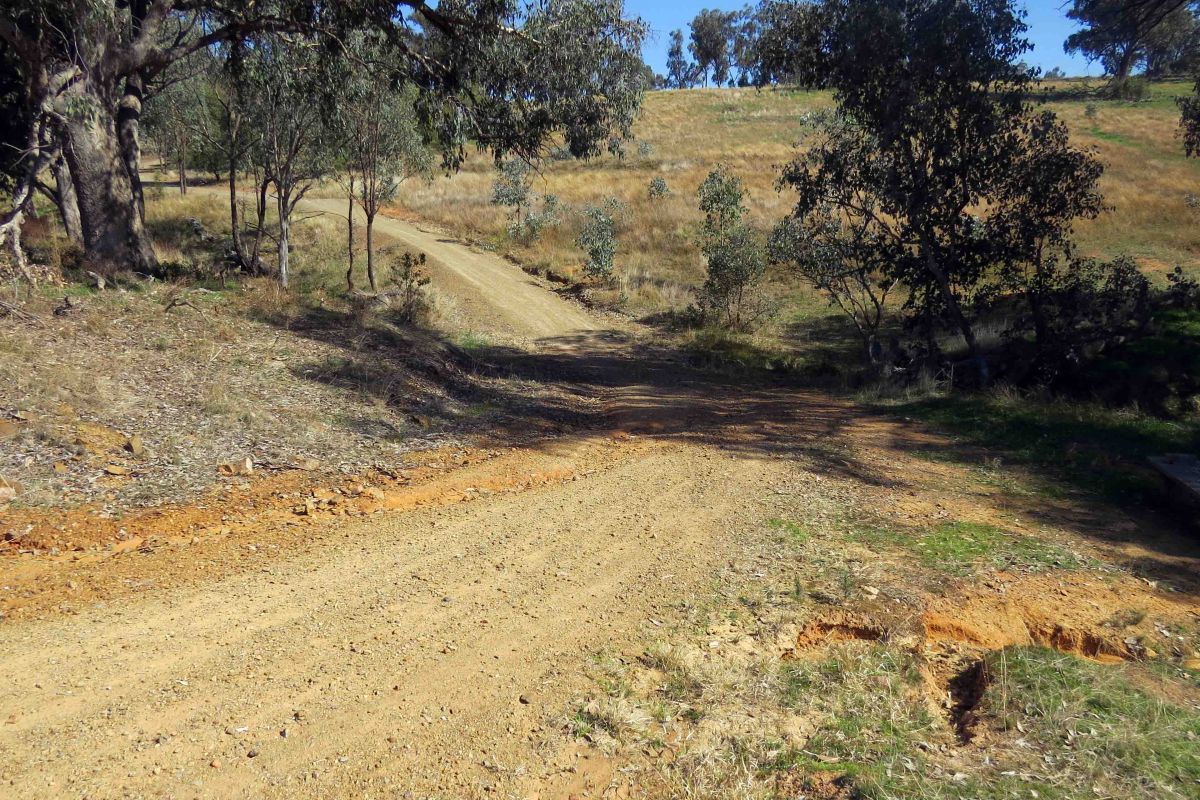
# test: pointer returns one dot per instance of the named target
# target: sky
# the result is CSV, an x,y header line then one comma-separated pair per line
x,y
1048,29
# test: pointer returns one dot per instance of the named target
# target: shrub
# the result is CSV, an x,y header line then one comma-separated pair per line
x,y
410,302
511,188
735,254
530,229
658,188
598,238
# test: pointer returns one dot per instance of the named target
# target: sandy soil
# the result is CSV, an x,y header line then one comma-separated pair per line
x,y
421,633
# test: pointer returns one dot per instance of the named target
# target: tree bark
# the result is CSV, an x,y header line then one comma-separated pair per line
x,y
64,198
235,224
281,205
371,252
350,237
129,116
183,167
109,211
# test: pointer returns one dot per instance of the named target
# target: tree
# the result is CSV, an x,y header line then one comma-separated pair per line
x,y
1173,46
502,74
680,72
932,122
735,256
173,117
1120,34
780,37
381,139
294,136
712,33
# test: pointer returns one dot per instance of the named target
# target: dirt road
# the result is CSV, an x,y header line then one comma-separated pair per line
x,y
429,649
494,295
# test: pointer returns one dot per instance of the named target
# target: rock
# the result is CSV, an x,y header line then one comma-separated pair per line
x,y
243,466
1192,664
523,700
134,445
308,464
373,493
98,439
215,764
116,469
253,753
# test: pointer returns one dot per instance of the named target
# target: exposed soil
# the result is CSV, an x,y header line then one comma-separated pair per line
x,y
420,630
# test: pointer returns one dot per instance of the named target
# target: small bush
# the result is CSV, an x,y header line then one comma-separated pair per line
x,y
409,300
735,253
658,188
598,238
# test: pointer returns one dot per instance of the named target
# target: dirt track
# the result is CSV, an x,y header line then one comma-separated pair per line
x,y
494,295
431,650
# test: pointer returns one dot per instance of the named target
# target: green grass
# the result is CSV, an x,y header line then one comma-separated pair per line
x,y
794,531
1100,734
1081,446
964,548
959,547
1085,730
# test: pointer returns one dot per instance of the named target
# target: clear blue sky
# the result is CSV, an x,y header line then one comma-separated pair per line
x,y
1048,29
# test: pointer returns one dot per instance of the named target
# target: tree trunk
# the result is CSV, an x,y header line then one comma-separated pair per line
x,y
113,234
64,198
350,236
260,208
281,205
129,115
371,252
183,167
235,224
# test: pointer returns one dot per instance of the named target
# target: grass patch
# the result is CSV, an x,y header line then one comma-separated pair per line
x,y
793,531
1098,734
1082,446
963,548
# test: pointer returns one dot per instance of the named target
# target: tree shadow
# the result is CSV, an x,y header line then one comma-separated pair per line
x,y
581,384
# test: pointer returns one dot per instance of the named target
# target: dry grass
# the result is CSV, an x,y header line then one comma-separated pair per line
x,y
1146,184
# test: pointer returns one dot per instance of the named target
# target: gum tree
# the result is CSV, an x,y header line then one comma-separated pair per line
x,y
503,74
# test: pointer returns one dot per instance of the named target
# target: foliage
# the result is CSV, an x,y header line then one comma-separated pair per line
x,y
598,238
549,216
658,188
734,252
846,258
681,73
411,303
507,76
1114,33
935,151
712,37
511,187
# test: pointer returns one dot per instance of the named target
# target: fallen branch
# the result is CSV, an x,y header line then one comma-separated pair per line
x,y
10,310
176,302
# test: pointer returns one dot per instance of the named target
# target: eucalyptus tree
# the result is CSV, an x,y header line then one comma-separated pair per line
x,y
287,80
503,74
381,140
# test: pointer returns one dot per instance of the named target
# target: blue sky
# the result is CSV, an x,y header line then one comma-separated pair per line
x,y
1048,28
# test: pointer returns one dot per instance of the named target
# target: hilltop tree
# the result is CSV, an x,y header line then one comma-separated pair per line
x,y
1120,33
680,72
712,35
502,74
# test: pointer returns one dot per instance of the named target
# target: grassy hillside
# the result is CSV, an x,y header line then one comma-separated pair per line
x,y
1146,184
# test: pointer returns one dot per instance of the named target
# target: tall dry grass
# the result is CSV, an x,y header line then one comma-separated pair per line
x,y
1146,184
